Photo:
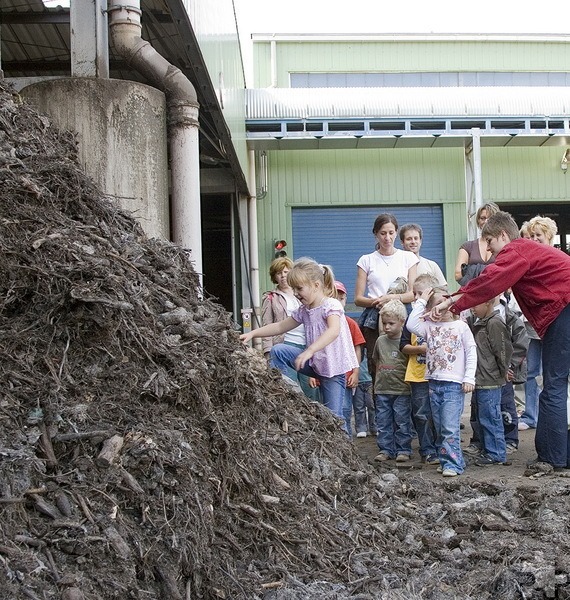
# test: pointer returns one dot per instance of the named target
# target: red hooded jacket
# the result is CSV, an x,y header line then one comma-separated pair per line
x,y
539,276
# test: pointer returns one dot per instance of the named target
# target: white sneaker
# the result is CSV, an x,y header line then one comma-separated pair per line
x,y
523,426
449,473
361,434
382,457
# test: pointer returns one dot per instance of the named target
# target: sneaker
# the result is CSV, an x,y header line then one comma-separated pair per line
x,y
486,461
361,434
382,457
431,459
449,473
439,469
402,458
472,449
511,448
523,426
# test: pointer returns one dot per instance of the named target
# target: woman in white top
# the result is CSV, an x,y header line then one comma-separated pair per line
x,y
376,272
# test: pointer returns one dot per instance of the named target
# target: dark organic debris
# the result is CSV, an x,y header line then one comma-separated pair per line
x,y
144,453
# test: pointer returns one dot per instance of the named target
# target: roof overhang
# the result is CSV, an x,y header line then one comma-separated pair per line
x,y
339,118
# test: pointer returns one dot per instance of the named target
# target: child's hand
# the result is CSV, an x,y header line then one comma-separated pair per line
x,y
510,375
302,359
468,387
246,337
313,382
426,294
352,380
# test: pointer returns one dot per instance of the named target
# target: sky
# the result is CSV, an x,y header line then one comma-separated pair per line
x,y
393,16
397,16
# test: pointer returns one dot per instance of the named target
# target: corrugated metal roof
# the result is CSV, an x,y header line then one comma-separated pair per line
x,y
359,103
36,42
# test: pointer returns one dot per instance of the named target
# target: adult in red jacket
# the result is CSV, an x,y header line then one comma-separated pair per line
x,y
539,276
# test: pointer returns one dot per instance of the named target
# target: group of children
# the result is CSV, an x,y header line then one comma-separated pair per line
x,y
423,368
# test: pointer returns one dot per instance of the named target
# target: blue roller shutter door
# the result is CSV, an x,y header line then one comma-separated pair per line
x,y
340,236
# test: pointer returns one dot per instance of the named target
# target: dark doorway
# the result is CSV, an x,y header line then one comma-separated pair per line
x,y
558,212
217,248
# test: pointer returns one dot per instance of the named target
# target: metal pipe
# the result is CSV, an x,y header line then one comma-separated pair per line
x,y
182,105
253,241
477,180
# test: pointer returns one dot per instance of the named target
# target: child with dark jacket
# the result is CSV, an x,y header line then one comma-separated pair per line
x,y
517,373
494,351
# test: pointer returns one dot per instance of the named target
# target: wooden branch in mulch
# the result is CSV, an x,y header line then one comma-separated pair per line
x,y
110,451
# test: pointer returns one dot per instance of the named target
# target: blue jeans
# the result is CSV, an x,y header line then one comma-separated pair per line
x,y
303,380
394,424
508,405
421,416
364,410
447,399
283,357
551,439
531,387
487,404
347,410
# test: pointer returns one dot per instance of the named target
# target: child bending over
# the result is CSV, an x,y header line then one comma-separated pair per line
x,y
329,354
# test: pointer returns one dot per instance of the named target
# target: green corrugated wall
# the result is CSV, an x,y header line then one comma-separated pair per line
x,y
410,56
402,177
374,177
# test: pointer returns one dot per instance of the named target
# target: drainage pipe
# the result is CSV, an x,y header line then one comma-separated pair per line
x,y
182,106
253,241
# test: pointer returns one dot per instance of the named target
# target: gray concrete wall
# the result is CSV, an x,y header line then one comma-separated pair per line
x,y
121,131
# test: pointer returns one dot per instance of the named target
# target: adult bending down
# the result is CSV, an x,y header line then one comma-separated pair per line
x,y
538,275
376,272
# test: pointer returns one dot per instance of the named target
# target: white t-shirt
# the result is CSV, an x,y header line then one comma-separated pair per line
x,y
430,267
381,271
297,335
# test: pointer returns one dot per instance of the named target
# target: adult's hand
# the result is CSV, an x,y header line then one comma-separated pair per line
x,y
440,309
380,301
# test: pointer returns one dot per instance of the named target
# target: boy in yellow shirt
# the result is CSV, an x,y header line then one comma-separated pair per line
x,y
415,348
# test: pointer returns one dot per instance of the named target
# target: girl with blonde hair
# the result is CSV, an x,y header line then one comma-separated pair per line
x,y
329,354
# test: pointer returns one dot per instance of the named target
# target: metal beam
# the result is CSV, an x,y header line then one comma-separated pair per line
x,y
89,39
60,17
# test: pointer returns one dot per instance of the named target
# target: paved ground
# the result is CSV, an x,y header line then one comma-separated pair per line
x,y
512,474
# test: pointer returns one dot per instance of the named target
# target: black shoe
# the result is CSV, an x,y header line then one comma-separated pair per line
x,y
537,468
486,461
543,466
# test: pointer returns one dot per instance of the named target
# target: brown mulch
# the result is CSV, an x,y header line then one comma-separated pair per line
x,y
145,453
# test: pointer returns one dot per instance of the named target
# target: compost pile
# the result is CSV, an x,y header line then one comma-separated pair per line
x,y
145,453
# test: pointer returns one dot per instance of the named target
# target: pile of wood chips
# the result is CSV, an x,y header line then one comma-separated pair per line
x,y
145,453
